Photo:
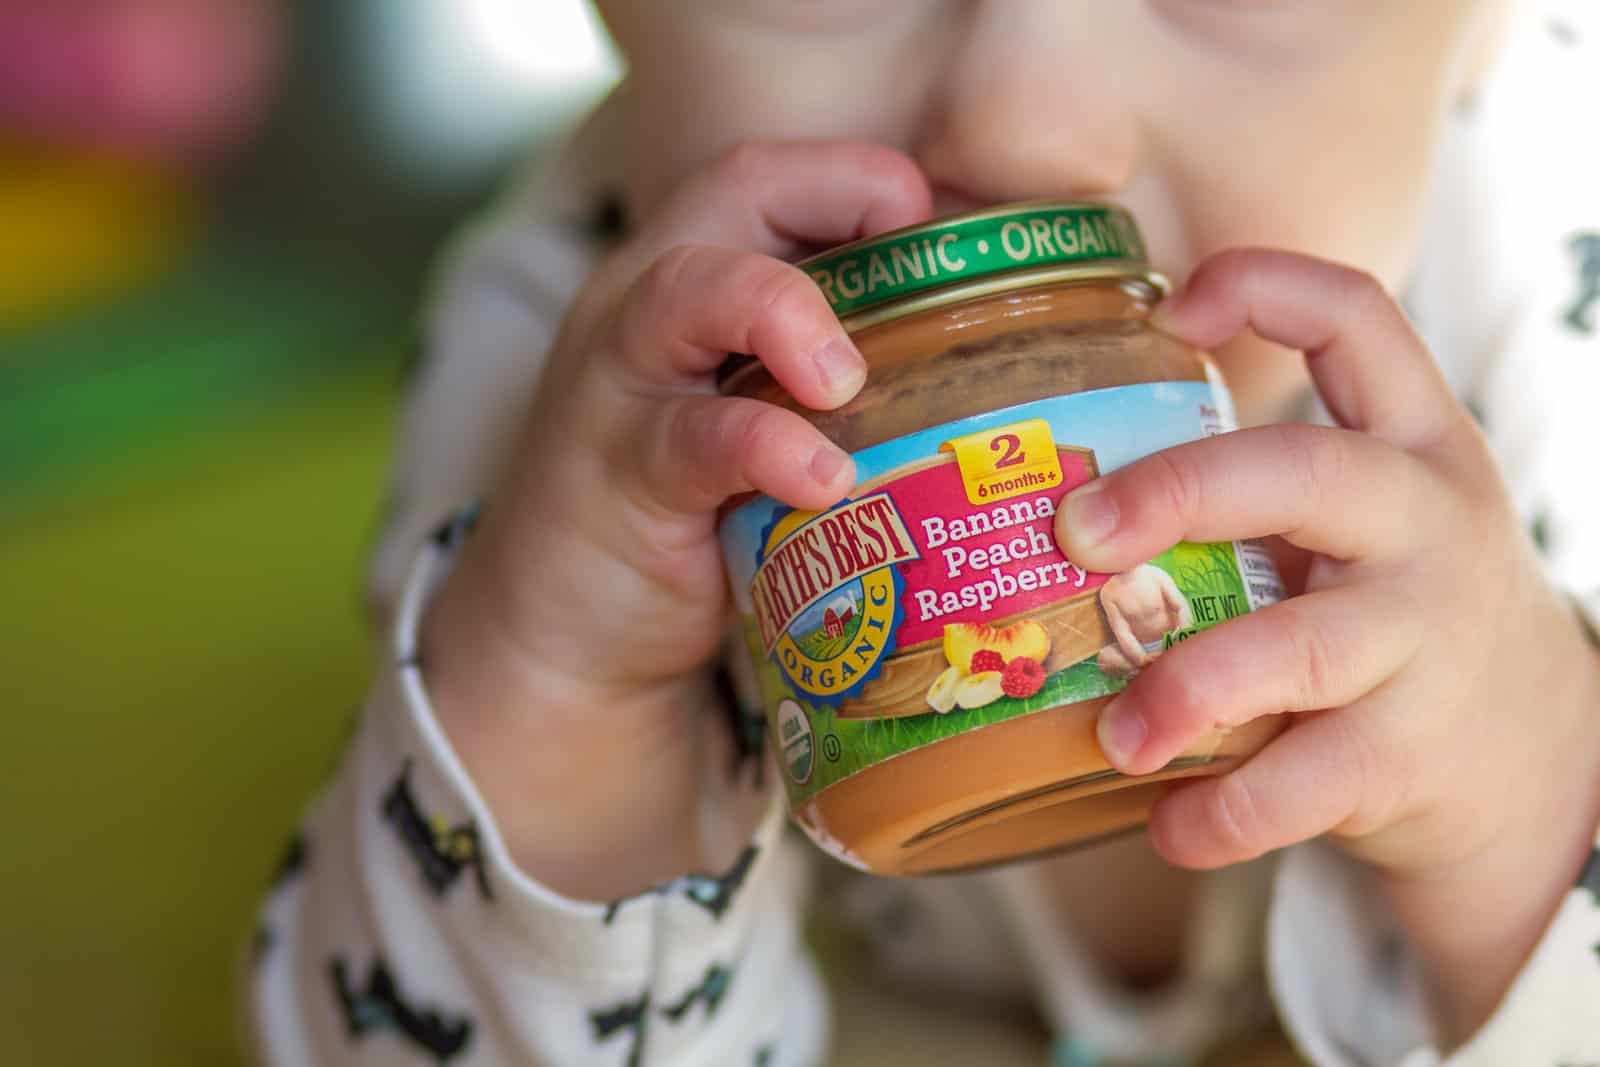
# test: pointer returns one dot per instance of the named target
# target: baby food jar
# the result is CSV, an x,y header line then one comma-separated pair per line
x,y
931,666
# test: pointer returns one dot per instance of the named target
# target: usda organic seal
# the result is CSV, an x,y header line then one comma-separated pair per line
x,y
794,733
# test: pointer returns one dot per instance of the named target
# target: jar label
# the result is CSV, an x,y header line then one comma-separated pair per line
x,y
934,600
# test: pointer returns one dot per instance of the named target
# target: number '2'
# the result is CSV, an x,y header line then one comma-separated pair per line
x,y
1013,446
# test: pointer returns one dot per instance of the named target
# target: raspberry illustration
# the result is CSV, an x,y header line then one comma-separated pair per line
x,y
987,659
1022,677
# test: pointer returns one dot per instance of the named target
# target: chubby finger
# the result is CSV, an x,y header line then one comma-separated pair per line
x,y
1322,650
693,452
1327,490
783,198
697,303
707,277
1370,367
1312,779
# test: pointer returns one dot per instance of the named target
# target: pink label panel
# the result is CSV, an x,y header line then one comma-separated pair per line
x,y
982,563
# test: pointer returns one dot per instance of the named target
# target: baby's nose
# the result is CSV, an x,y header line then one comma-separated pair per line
x,y
1027,123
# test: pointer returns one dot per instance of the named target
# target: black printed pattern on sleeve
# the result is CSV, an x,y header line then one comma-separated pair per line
x,y
442,852
1585,249
712,988
1589,877
290,867
631,1017
1539,531
714,893
293,863
382,1006
453,531
1589,882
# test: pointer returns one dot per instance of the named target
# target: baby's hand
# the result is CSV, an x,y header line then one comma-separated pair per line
x,y
1443,699
563,653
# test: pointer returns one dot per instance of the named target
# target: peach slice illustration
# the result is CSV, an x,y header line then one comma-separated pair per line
x,y
1025,637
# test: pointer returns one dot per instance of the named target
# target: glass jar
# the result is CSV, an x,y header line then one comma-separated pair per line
x,y
930,665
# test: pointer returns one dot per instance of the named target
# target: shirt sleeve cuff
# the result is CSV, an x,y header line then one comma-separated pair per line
x,y
1348,993
425,779
407,888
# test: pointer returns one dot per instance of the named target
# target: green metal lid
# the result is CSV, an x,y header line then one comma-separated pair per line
x,y
964,256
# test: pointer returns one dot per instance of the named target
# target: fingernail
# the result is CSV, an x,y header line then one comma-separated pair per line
x,y
826,463
1090,514
840,367
1121,731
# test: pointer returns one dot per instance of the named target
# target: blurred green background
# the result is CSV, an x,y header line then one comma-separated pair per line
x,y
200,357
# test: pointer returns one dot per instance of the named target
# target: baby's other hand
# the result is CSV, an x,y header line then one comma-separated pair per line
x,y
564,652
1444,706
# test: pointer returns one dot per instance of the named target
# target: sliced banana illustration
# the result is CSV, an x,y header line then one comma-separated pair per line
x,y
942,694
976,690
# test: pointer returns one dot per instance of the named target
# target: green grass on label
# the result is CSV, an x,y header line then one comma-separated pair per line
x,y
822,648
1208,574
1202,570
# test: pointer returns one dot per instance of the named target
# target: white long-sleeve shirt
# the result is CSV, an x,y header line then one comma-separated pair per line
x,y
401,931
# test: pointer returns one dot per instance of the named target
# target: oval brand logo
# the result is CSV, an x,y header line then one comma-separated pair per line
x,y
827,593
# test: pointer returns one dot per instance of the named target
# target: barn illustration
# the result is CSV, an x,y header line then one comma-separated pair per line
x,y
823,629
833,622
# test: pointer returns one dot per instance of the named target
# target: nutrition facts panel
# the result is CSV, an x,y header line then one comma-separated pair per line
x,y
1261,582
